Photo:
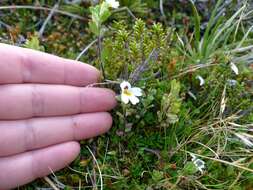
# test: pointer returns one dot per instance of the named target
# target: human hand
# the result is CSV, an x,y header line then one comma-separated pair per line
x,y
44,109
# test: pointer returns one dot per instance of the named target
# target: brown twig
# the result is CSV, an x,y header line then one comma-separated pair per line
x,y
125,9
5,25
155,152
45,9
193,69
56,6
102,68
86,49
135,75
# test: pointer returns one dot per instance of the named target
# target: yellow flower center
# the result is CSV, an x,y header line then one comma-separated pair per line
x,y
127,92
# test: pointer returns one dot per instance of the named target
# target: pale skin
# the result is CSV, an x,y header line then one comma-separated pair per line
x,y
45,109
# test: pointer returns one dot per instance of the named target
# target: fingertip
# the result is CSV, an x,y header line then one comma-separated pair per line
x,y
107,121
80,74
91,125
111,98
74,149
97,100
93,72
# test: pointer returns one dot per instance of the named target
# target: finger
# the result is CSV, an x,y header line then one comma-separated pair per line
x,y
20,65
20,136
26,100
24,168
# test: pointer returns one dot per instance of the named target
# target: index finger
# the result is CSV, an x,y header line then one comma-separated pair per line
x,y
21,65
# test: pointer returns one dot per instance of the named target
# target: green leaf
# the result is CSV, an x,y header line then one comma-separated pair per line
x,y
190,168
196,23
105,12
211,22
94,28
157,175
175,88
172,118
34,43
106,54
170,104
95,14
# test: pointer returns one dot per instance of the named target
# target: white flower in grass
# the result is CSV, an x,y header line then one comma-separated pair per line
x,y
200,164
201,80
234,68
113,3
231,82
129,93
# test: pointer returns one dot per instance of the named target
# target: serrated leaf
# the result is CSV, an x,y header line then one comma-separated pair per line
x,y
172,118
104,12
170,104
157,175
34,43
190,168
94,28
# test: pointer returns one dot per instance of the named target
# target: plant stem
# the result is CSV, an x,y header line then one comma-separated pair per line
x,y
100,56
86,49
45,9
125,116
42,29
51,183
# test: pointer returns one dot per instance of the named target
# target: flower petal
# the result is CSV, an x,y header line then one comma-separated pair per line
x,y
201,80
113,3
193,157
134,100
231,82
199,163
136,91
234,68
124,85
124,98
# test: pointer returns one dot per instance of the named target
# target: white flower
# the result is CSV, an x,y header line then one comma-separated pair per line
x,y
200,164
113,3
201,80
129,94
231,82
234,68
